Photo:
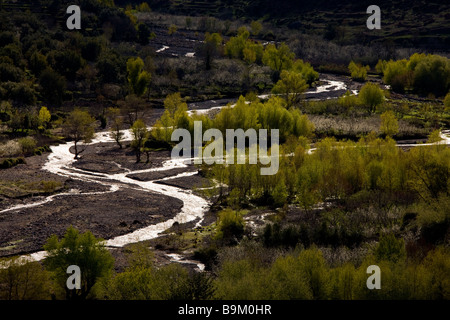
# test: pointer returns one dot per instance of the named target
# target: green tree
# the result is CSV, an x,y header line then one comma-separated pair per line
x,y
291,85
279,193
235,46
390,248
79,126
37,63
52,86
278,59
117,125
139,130
306,70
434,136
66,63
23,281
28,144
447,102
133,107
143,34
358,71
9,72
437,263
144,7
371,96
240,280
287,281
174,104
230,225
172,29
111,67
91,49
432,75
256,27
44,117
389,124
397,75
211,48
22,94
138,78
381,66
82,250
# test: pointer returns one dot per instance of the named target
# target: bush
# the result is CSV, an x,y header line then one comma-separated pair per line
x,y
24,281
9,72
11,162
358,71
39,151
230,226
424,74
389,123
371,96
52,85
27,144
91,49
432,75
391,249
22,94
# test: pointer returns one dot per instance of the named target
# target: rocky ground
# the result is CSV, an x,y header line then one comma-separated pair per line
x,y
106,215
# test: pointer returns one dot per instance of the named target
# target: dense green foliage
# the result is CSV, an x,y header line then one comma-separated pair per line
x,y
82,250
358,72
421,73
306,275
371,96
338,170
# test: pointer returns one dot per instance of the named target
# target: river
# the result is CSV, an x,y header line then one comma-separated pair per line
x,y
60,162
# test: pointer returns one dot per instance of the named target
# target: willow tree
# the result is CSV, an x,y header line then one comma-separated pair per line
x,y
138,78
389,123
371,96
82,250
139,130
117,125
79,126
291,86
278,59
447,102
211,48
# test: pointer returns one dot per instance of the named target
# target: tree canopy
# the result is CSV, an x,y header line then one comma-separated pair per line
x,y
83,250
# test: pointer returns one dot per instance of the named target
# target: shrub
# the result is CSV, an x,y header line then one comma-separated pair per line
x,y
10,148
27,144
231,225
391,249
371,96
389,123
11,162
432,75
447,102
424,74
172,29
358,72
